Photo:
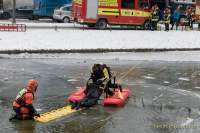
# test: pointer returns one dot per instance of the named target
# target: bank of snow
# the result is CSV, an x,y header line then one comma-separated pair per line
x,y
68,39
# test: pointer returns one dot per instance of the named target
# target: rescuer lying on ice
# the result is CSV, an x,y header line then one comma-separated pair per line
x,y
98,83
23,103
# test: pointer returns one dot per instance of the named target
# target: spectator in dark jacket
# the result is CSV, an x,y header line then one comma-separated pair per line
x,y
176,18
167,16
154,17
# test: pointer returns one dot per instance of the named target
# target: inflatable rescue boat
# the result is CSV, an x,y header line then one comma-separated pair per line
x,y
118,99
76,96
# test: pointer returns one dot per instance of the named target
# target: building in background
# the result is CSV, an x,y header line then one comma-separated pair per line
x,y
7,4
1,4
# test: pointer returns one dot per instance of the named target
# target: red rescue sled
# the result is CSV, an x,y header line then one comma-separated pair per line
x,y
77,96
118,99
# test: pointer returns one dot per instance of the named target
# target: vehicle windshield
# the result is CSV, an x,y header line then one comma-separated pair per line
x,y
67,8
58,7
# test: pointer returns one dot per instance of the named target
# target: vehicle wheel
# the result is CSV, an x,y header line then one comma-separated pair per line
x,y
6,15
30,18
66,20
146,25
36,17
55,21
91,25
101,24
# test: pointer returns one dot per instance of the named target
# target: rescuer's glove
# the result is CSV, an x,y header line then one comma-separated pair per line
x,y
38,115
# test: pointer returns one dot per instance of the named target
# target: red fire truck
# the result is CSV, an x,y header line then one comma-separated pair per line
x,y
99,13
197,12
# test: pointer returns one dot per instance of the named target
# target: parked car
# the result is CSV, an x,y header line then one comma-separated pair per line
x,y
4,14
63,13
24,12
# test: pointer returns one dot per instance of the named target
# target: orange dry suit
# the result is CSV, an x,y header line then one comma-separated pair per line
x,y
23,103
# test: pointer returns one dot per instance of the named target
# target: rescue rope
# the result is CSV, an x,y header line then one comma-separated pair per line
x,y
123,76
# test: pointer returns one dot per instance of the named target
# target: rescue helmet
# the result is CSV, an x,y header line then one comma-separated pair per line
x,y
97,69
32,85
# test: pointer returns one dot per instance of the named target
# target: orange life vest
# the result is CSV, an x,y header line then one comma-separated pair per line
x,y
20,99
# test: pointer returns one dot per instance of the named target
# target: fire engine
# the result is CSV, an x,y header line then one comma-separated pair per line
x,y
197,11
99,13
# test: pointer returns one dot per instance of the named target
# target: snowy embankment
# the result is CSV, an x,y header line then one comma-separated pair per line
x,y
69,39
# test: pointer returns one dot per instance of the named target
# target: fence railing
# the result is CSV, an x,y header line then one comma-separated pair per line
x,y
13,27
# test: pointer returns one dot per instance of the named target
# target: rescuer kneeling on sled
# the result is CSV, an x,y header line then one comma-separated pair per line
x,y
23,103
92,92
99,82
101,75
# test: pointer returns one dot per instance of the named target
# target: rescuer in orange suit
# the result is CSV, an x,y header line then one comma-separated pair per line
x,y
23,103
